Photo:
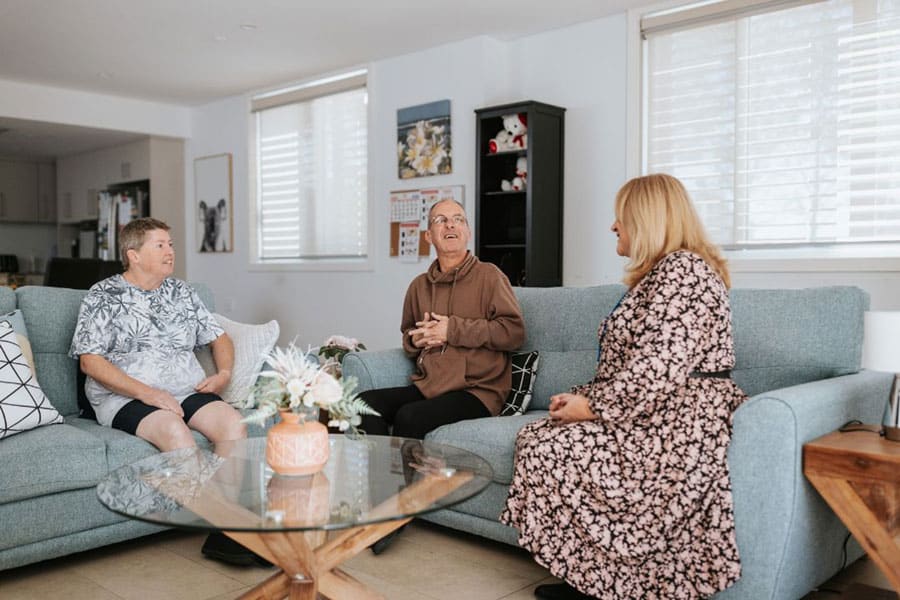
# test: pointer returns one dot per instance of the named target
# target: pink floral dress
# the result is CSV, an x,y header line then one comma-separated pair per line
x,y
637,504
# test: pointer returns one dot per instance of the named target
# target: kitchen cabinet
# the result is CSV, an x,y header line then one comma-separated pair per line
x,y
78,179
18,191
46,193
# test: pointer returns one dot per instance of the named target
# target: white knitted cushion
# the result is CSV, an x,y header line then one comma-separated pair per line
x,y
251,345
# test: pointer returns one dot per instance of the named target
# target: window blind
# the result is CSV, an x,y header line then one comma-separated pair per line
x,y
312,177
784,126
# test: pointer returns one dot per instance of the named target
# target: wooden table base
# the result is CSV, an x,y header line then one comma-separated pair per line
x,y
309,563
858,475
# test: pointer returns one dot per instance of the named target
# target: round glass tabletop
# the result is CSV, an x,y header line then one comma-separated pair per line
x,y
231,488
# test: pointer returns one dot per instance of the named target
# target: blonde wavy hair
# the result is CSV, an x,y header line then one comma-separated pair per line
x,y
658,216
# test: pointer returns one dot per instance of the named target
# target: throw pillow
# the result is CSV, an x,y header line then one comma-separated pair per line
x,y
17,321
23,405
251,345
524,369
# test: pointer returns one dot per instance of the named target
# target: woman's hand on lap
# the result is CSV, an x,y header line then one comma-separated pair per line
x,y
164,400
214,384
570,408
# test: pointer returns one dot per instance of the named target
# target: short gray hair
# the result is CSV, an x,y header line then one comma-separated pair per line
x,y
453,200
132,235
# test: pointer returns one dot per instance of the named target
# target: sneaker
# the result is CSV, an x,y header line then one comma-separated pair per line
x,y
559,591
222,548
383,544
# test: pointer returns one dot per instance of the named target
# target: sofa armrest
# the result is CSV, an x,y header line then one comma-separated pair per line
x,y
378,369
788,538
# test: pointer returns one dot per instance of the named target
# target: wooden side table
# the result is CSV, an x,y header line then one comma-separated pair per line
x,y
858,475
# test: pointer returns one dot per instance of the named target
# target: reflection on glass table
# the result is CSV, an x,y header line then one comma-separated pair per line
x,y
369,487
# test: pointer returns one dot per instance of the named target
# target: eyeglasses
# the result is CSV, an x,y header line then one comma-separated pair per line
x,y
443,219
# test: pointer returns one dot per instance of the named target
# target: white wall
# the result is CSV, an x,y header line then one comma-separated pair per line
x,y
582,68
313,305
558,68
74,107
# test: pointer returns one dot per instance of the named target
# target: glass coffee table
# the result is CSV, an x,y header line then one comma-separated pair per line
x,y
309,525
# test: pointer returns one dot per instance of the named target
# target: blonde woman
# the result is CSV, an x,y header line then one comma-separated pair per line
x,y
623,491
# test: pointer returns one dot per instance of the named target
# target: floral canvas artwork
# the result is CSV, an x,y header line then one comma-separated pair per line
x,y
423,140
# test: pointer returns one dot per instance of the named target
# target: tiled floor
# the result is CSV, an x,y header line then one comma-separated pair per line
x,y
426,562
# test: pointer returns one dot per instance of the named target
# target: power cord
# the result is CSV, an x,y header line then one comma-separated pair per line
x,y
851,425
829,590
857,425
844,552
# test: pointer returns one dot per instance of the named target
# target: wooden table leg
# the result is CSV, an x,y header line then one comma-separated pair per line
x,y
330,581
293,553
273,588
303,590
337,584
350,542
866,526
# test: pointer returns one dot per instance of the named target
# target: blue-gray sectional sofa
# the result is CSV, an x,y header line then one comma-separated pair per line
x,y
798,358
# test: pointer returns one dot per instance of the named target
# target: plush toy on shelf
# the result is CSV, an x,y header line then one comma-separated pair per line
x,y
500,142
517,184
517,126
512,136
522,168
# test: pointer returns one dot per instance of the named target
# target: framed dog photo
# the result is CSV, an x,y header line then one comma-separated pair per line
x,y
212,189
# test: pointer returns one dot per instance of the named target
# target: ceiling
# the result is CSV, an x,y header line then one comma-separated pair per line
x,y
190,52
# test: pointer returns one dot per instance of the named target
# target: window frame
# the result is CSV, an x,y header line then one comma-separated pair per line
x,y
333,264
838,257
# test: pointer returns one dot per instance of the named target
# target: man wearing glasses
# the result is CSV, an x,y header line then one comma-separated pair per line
x,y
460,320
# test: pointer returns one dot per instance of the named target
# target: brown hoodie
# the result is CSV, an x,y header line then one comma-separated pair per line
x,y
485,322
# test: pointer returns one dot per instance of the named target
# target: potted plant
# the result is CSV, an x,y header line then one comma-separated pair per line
x,y
297,388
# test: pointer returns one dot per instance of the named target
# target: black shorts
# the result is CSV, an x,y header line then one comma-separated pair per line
x,y
130,416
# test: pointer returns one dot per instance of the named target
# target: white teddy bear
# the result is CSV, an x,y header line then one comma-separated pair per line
x,y
512,136
517,126
517,184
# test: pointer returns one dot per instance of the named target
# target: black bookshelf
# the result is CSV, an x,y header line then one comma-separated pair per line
x,y
521,231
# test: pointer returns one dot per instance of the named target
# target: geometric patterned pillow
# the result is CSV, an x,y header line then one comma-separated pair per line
x,y
524,369
23,405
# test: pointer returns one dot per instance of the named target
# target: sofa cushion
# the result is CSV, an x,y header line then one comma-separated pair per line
x,y
561,323
7,300
121,448
49,460
491,438
251,345
524,370
49,521
788,337
50,315
23,405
